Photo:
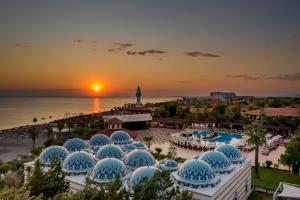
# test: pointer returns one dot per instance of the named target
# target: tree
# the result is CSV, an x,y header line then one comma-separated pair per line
x,y
148,140
291,156
49,131
69,123
34,120
55,177
37,180
4,168
158,150
33,133
257,138
172,151
60,126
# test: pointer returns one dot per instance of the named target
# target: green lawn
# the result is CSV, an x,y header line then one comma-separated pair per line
x,y
260,196
270,178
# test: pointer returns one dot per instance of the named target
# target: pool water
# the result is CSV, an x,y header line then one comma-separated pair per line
x,y
223,138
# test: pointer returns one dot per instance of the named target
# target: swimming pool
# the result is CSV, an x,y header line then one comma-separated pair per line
x,y
222,138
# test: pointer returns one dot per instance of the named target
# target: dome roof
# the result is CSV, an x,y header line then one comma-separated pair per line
x,y
218,161
110,150
231,152
171,165
58,151
107,169
139,145
139,158
99,140
141,173
121,138
130,147
78,162
75,144
196,173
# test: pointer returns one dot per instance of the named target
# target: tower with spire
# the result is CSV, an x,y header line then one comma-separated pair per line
x,y
138,95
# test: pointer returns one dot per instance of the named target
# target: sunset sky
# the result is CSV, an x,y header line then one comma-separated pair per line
x,y
168,47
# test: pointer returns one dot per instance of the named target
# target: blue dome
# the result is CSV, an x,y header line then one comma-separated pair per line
x,y
218,161
139,158
60,152
107,169
121,138
161,166
130,147
139,145
142,173
196,173
110,151
171,165
231,152
99,140
78,162
75,144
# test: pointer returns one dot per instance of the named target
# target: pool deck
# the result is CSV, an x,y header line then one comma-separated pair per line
x,y
161,139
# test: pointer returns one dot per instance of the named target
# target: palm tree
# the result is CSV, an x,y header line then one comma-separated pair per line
x,y
158,150
69,123
34,120
33,133
60,126
148,140
49,131
257,138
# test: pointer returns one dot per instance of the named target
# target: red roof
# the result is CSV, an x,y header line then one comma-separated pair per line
x,y
114,121
276,112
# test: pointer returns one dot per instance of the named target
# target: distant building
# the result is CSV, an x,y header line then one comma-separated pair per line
x,y
230,97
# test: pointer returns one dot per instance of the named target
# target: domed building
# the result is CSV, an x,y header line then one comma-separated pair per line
x,y
171,165
107,169
79,162
139,158
231,152
98,140
120,138
139,145
54,151
110,151
129,147
218,161
140,174
196,173
75,144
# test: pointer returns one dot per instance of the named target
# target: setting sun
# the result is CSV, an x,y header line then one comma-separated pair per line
x,y
96,87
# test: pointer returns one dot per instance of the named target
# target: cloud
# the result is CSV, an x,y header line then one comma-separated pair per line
x,y
142,53
199,53
243,76
81,41
120,46
287,77
19,45
184,81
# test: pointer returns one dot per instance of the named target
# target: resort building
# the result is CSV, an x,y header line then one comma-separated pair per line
x,y
216,175
134,116
230,97
290,113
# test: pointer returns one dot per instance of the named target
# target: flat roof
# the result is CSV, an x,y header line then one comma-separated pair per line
x,y
130,117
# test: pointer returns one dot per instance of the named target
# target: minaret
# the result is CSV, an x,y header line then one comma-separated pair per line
x,y
138,95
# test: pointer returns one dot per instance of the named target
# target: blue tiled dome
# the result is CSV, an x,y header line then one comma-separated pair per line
x,y
75,144
218,161
130,147
58,151
231,152
110,151
196,173
171,165
141,173
99,140
107,169
139,158
78,162
139,145
121,138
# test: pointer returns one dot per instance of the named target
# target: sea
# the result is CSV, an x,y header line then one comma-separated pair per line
x,y
20,111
